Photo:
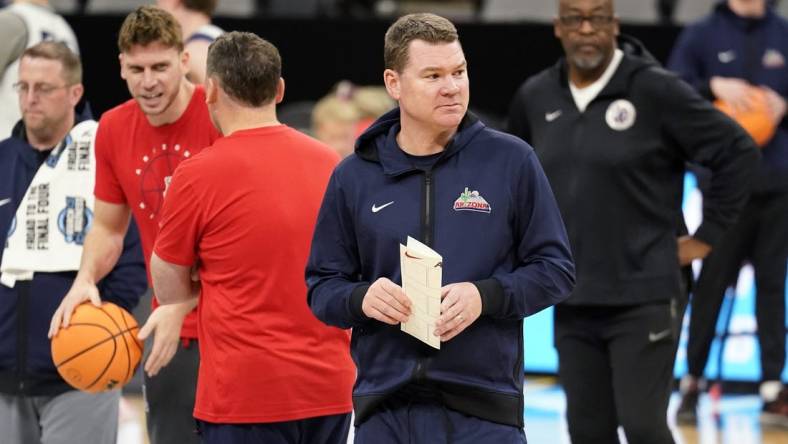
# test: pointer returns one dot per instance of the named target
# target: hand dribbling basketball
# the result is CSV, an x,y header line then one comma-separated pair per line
x,y
81,291
99,350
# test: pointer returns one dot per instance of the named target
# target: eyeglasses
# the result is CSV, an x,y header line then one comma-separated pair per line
x,y
575,21
39,89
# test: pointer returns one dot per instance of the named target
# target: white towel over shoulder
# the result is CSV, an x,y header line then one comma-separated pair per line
x,y
52,220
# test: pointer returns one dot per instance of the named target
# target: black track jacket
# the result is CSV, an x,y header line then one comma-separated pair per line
x,y
617,172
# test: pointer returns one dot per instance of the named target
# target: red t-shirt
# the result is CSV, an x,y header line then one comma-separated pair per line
x,y
135,161
247,207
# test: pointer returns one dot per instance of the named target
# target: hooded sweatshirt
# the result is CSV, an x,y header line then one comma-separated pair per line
x,y
485,205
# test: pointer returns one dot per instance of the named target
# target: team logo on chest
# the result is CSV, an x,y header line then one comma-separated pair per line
x,y
773,59
620,115
471,201
155,173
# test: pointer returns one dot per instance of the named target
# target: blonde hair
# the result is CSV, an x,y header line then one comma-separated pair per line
x,y
332,108
372,101
149,24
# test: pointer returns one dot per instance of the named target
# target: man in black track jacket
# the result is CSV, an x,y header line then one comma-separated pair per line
x,y
613,131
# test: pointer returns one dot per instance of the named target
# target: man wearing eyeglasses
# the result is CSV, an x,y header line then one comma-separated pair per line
x,y
613,131
23,24
46,208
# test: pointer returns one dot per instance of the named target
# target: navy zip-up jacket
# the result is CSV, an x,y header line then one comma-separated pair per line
x,y
26,367
754,49
517,254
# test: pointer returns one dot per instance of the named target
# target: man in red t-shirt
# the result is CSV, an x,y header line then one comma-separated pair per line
x,y
138,146
244,210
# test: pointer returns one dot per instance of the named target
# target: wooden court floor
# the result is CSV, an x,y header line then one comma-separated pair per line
x,y
732,420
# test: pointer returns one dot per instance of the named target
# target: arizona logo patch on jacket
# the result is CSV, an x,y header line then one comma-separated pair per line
x,y
471,201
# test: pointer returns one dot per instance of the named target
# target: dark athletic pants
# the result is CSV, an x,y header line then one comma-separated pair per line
x,y
616,368
332,429
169,398
760,236
432,423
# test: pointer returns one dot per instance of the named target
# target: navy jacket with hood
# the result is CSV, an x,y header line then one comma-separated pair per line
x,y
754,49
517,254
617,170
26,367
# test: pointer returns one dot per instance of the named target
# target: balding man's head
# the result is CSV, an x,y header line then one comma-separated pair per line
x,y
587,30
607,4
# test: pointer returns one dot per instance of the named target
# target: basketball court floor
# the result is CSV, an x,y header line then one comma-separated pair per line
x,y
731,420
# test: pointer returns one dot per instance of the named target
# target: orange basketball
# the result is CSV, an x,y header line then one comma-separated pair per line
x,y
99,350
757,122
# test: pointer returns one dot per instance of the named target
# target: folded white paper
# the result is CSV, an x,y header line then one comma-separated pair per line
x,y
422,273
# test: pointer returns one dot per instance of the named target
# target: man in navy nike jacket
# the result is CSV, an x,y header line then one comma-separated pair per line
x,y
504,258
36,404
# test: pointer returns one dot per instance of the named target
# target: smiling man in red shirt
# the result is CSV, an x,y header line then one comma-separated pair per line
x,y
139,144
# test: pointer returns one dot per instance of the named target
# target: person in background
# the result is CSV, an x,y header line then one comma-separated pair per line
x,y
48,165
334,122
737,55
194,17
613,131
371,102
24,23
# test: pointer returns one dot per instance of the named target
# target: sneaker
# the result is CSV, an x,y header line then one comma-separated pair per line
x,y
775,413
687,414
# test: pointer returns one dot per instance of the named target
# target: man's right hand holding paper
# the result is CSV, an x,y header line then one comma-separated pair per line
x,y
386,302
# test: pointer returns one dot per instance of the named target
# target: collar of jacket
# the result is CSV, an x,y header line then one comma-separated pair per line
x,y
636,58
379,142
744,23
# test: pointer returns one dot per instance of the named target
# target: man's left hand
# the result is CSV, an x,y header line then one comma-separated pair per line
x,y
777,104
165,325
691,249
461,306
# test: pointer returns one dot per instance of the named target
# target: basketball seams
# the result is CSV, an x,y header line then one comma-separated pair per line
x,y
117,325
94,327
109,316
97,344
106,367
134,341
91,347
129,370
83,351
